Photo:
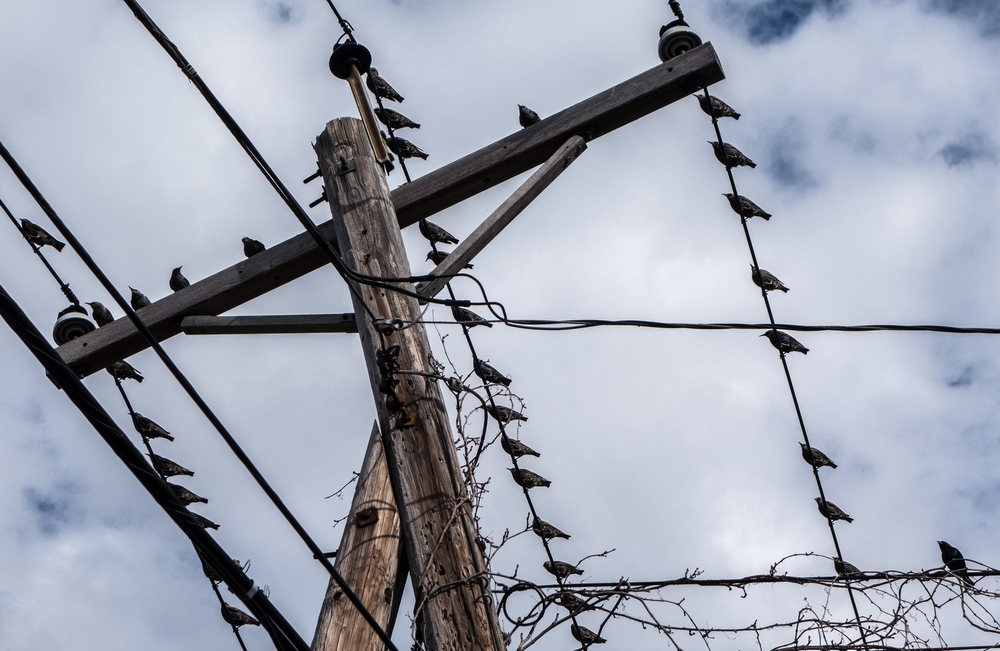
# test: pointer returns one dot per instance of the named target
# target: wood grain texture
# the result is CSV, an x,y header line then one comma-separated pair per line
x,y
446,566
269,324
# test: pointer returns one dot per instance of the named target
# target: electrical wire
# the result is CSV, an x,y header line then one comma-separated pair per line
x,y
67,292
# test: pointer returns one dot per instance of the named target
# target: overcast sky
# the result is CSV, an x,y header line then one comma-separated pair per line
x,y
873,126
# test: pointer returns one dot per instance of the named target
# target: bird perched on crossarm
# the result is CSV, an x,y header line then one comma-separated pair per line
x,y
237,617
101,314
139,300
954,561
815,458
546,531
784,342
395,120
715,107
435,234
832,511
766,280
746,208
527,479
516,448
178,281
381,87
252,247
561,569
148,429
526,117
39,236
124,371
730,156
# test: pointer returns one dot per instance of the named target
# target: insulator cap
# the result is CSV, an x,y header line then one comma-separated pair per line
x,y
676,38
73,322
346,54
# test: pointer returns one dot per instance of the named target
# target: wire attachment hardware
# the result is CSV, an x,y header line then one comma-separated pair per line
x,y
676,37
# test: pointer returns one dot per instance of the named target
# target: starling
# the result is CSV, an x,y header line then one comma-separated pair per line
x,y
186,496
585,636
381,87
561,569
178,281
526,116
784,342
395,120
844,568
139,300
169,468
505,415
237,617
527,479
437,257
435,233
766,280
202,521
954,561
39,236
489,374
715,107
403,148
101,314
815,458
124,371
468,318
252,247
575,605
149,429
745,207
730,156
546,531
515,448
832,511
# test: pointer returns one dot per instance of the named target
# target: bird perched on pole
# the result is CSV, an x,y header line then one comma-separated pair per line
x,y
468,318
784,342
437,257
381,87
527,479
101,314
954,561
832,511
124,371
237,617
516,448
715,107
489,374
585,636
526,117
561,569
395,120
252,247
746,208
169,468
148,429
139,300
546,531
186,496
435,234
39,236
178,281
843,567
815,458
730,156
766,280
402,147
504,414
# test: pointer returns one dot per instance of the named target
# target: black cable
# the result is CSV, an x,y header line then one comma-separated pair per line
x,y
314,549
67,292
344,25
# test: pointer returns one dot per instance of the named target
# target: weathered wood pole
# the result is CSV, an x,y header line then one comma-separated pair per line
x,y
454,610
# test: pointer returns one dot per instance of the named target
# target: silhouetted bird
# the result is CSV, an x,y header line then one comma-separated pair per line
x,y
954,561
561,569
101,314
169,468
843,567
39,236
437,257
403,148
784,342
124,371
202,521
546,531
745,207
381,87
186,496
816,458
575,605
178,281
489,374
516,448
832,511
766,280
395,120
468,318
730,156
149,429
504,414
585,636
435,233
252,247
527,479
237,617
139,300
526,116
715,107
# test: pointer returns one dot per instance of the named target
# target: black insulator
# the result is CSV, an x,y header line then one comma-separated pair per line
x,y
347,54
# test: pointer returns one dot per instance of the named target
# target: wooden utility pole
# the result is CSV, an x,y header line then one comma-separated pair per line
x,y
454,610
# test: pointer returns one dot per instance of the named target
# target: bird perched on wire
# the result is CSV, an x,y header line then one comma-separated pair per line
x,y
527,479
766,280
468,318
730,156
252,247
832,511
526,116
178,281
546,531
395,120
575,605
843,567
784,342
139,300
746,208
585,636
561,569
489,374
954,561
437,257
124,371
202,521
515,448
715,107
237,617
435,234
402,147
186,496
169,468
149,429
39,236
101,314
815,458
505,414
381,87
